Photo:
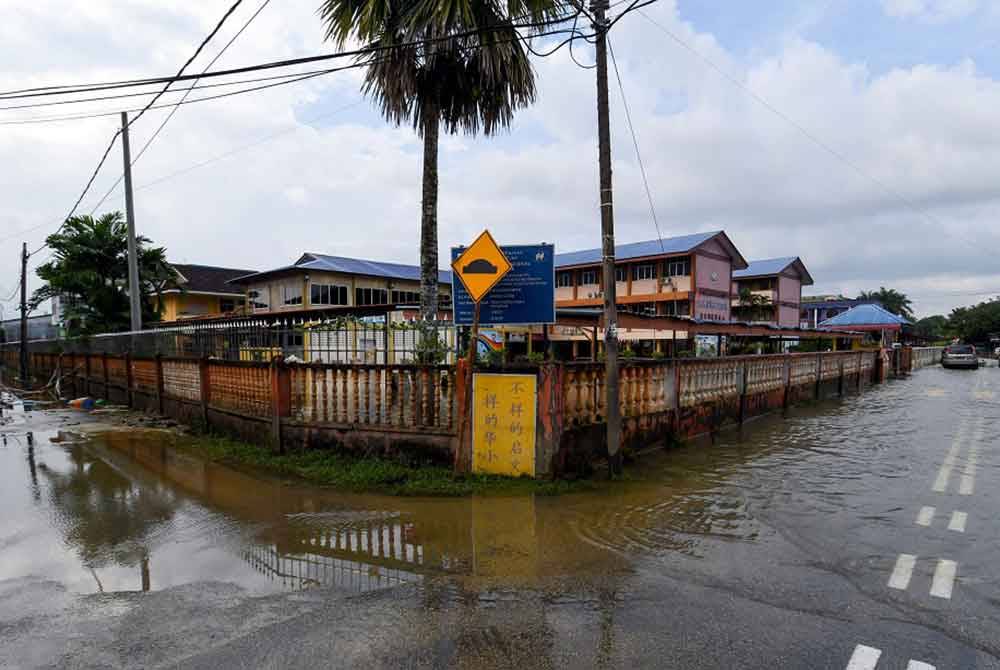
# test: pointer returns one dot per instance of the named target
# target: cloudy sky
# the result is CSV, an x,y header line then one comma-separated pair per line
x,y
861,135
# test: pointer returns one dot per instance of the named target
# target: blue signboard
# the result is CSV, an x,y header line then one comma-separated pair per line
x,y
527,295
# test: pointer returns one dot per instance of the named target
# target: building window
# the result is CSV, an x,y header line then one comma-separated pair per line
x,y
621,273
405,297
258,299
564,280
291,295
640,272
588,277
371,296
328,294
678,268
227,305
683,307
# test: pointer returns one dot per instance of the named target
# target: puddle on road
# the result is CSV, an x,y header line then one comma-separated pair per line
x,y
127,510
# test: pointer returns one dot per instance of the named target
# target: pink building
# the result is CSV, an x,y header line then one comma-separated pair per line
x,y
770,291
689,275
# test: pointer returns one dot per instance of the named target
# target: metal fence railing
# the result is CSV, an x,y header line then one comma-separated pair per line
x,y
341,341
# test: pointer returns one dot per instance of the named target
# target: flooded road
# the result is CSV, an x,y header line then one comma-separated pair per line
x,y
854,531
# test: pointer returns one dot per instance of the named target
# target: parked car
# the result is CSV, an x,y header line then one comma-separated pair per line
x,y
960,356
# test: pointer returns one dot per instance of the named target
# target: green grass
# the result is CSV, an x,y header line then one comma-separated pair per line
x,y
378,475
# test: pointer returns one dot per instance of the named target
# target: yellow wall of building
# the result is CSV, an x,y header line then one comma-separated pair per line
x,y
186,305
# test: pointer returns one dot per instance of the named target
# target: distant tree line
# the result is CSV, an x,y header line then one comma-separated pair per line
x,y
969,324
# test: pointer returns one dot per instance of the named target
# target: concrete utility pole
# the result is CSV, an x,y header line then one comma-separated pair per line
x,y
134,290
24,316
614,418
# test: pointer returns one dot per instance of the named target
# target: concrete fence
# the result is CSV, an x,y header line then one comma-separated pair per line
x,y
925,356
394,409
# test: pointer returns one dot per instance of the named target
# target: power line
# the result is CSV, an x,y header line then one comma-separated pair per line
x,y
250,145
313,75
208,161
180,102
574,34
114,137
363,51
197,51
635,143
86,188
120,96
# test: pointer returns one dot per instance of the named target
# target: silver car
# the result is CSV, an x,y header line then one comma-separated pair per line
x,y
960,356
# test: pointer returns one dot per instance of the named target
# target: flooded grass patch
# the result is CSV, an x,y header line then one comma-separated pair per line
x,y
372,474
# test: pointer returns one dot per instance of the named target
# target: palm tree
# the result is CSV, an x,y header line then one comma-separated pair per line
x,y
892,300
89,271
460,64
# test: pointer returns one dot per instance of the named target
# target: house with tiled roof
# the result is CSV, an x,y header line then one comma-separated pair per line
x,y
199,291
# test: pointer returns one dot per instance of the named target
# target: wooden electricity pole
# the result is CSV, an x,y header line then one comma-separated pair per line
x,y
614,418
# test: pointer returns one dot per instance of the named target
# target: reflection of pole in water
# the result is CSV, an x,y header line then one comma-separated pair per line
x,y
36,491
100,586
144,567
606,605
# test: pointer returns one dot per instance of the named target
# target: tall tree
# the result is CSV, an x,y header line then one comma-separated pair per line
x,y
458,64
89,274
892,300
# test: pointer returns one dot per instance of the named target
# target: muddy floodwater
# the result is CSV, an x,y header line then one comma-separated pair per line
x,y
770,543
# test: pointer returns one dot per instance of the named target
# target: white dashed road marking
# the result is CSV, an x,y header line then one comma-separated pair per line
x,y
901,574
944,474
944,579
864,658
958,520
926,516
968,483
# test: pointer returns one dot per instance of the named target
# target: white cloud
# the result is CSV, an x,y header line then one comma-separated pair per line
x,y
920,218
933,11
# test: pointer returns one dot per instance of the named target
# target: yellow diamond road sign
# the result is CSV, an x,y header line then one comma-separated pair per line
x,y
481,266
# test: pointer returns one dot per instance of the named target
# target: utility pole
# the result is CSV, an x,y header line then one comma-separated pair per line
x,y
134,290
24,317
614,418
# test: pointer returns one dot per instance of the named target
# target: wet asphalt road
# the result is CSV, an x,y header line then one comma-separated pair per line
x,y
860,533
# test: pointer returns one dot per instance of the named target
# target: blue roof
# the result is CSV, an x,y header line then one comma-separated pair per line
x,y
769,266
670,245
360,266
774,266
843,302
865,315
343,264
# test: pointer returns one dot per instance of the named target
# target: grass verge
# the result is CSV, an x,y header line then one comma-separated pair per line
x,y
377,475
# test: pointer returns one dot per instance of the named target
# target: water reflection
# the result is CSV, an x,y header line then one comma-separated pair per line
x,y
136,502
139,502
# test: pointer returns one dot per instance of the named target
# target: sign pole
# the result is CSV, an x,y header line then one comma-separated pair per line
x,y
467,419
